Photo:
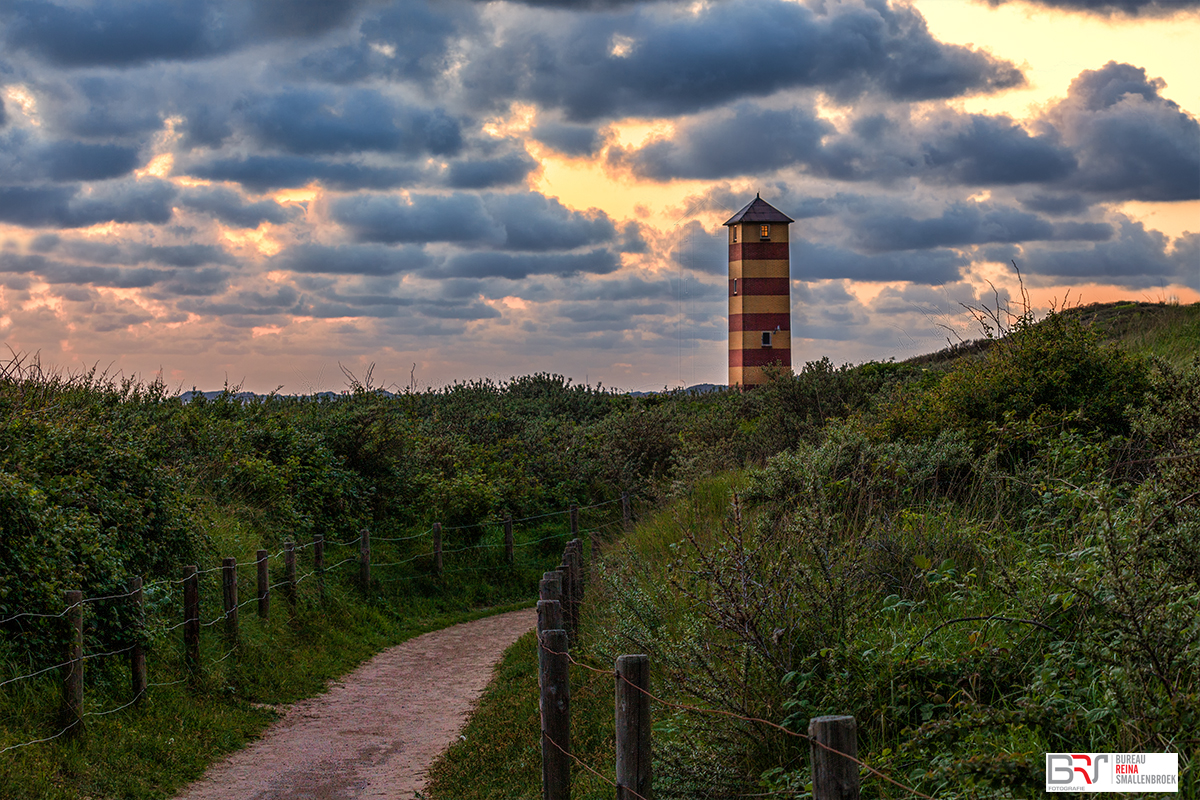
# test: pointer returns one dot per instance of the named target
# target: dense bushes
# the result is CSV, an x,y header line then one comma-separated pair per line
x,y
104,479
1052,374
982,566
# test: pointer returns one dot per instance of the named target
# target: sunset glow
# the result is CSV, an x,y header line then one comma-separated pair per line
x,y
490,190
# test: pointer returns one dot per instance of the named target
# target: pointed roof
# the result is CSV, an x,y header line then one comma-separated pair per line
x,y
759,210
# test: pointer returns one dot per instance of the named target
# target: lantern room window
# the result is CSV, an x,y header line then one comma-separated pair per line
x,y
733,230
764,232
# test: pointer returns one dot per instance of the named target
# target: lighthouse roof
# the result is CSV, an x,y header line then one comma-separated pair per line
x,y
759,210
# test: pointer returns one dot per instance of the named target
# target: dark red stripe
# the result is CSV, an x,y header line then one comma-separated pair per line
x,y
760,358
760,322
761,287
758,251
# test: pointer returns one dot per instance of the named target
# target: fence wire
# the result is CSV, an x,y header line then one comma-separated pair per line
x,y
172,590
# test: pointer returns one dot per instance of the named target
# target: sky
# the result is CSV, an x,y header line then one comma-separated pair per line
x,y
275,194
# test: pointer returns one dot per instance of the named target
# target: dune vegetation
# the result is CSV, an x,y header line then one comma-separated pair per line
x,y
984,562
981,558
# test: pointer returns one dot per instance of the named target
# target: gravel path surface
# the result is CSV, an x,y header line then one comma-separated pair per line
x,y
375,733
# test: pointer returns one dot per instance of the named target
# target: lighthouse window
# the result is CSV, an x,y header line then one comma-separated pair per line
x,y
735,280
766,339
764,232
734,230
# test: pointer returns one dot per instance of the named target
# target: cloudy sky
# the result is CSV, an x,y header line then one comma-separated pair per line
x,y
266,191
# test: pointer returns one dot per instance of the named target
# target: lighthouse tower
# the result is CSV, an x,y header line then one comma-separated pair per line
x,y
760,304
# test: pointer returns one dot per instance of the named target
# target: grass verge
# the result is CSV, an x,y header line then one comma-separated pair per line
x,y
500,752
152,750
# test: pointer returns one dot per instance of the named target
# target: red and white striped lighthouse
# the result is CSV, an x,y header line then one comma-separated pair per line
x,y
760,302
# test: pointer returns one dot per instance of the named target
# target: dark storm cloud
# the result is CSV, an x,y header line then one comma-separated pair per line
x,y
70,207
524,221
647,63
964,149
632,240
231,208
1132,8
309,121
533,221
3,114
506,170
203,282
264,173
205,126
767,139
516,267
429,218
110,252
1135,257
407,40
361,259
460,311
698,250
107,106
247,303
114,34
616,289
1114,136
812,261
989,151
927,300
580,5
568,138
966,224
76,161
293,18
124,34
55,271
1056,203
24,158
1131,143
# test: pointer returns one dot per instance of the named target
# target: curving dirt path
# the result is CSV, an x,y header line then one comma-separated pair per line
x,y
376,732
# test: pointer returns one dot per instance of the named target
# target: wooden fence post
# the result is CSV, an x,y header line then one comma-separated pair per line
x,y
137,656
73,683
564,581
264,585
549,615
575,569
364,560
289,572
437,549
574,520
319,564
508,540
191,618
555,704
634,761
835,777
229,596
626,512
550,587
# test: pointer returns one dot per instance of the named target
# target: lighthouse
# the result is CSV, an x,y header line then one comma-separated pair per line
x,y
760,302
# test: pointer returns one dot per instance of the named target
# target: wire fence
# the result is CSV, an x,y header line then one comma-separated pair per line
x,y
835,765
141,627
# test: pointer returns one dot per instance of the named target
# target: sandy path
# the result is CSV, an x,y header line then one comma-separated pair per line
x,y
377,731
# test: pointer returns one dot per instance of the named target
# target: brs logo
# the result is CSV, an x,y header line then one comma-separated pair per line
x,y
1063,769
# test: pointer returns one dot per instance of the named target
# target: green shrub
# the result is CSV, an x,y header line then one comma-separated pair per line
x,y
1053,374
